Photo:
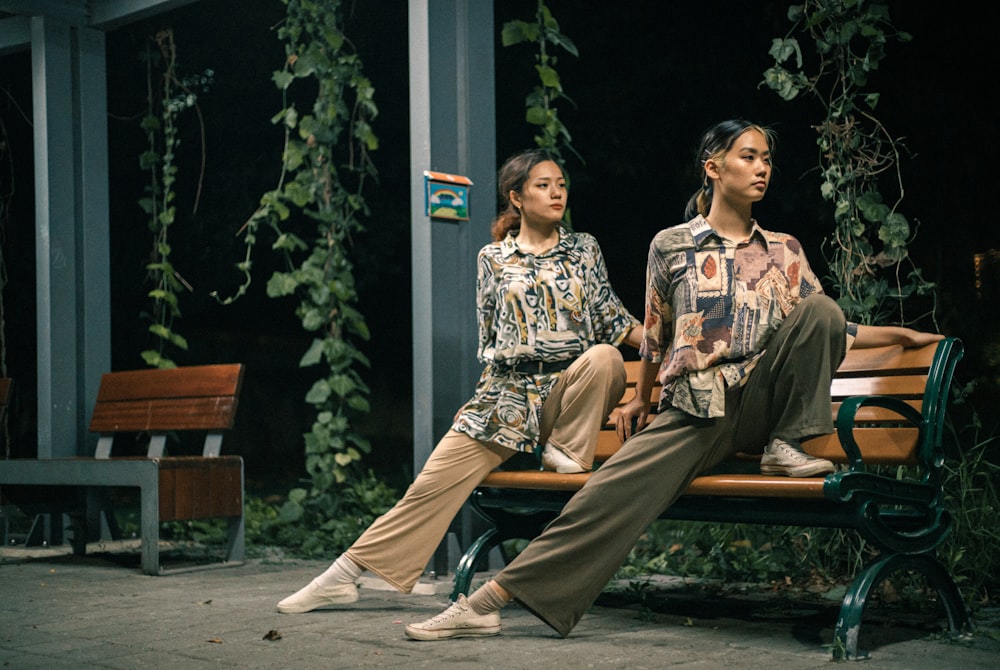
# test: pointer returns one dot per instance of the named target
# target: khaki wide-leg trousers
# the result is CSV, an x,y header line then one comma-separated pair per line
x,y
562,571
399,544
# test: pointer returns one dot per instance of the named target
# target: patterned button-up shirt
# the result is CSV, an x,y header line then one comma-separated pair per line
x,y
548,307
713,303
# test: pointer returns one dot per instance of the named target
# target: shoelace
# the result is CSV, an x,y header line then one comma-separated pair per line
x,y
793,454
449,613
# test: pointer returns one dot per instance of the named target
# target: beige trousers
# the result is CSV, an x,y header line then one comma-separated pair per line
x,y
399,544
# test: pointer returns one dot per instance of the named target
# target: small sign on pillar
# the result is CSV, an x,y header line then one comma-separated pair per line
x,y
447,196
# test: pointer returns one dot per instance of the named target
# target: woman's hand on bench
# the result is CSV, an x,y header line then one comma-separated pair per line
x,y
632,416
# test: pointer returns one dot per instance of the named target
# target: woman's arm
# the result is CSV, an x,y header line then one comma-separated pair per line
x,y
634,337
880,336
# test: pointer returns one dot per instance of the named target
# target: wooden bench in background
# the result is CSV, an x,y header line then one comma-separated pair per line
x,y
157,403
889,407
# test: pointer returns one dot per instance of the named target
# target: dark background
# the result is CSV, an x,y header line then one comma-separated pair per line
x,y
650,77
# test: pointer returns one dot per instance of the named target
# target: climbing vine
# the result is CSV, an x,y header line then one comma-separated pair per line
x,y
540,103
166,100
859,159
869,260
313,214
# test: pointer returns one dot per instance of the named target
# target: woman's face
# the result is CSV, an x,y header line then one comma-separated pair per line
x,y
745,171
543,196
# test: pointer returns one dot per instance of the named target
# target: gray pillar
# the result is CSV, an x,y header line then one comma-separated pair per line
x,y
452,130
71,223
93,227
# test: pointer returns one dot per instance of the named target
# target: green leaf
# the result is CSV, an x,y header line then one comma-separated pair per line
x,y
282,79
548,76
313,355
319,393
178,341
281,284
515,32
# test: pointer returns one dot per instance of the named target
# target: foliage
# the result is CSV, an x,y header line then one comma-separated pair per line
x,y
731,552
972,488
313,214
873,273
324,528
271,524
164,105
540,103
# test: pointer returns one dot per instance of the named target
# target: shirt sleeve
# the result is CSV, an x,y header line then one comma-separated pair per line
x,y
486,305
809,284
658,322
611,320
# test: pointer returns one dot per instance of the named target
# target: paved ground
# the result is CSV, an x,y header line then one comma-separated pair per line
x,y
61,611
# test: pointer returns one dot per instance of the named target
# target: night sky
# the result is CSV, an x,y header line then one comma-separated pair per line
x,y
650,77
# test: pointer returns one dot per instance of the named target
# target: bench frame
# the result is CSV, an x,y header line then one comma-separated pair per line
x,y
171,488
904,518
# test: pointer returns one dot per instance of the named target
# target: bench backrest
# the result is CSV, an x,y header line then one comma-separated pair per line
x,y
158,401
920,377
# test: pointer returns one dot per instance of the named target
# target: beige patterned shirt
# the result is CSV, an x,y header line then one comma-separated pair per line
x,y
550,307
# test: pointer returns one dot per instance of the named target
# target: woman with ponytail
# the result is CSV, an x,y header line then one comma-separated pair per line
x,y
549,328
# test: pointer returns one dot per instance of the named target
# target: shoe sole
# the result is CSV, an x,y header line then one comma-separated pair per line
x,y
301,609
808,470
446,633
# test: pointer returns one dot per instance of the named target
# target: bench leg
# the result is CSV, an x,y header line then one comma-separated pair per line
x,y
470,559
236,543
848,631
149,511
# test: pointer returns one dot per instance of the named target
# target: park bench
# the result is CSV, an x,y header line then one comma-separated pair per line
x,y
156,404
889,407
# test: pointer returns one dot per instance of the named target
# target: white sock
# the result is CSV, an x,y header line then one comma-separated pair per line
x,y
341,571
485,599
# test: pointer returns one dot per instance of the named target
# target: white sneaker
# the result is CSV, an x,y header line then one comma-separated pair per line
x,y
314,595
556,461
782,458
459,620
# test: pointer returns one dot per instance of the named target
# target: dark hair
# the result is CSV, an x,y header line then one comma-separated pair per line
x,y
715,142
511,177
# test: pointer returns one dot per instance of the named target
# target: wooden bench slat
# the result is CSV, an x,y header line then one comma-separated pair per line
x,y
166,414
890,360
757,486
198,381
910,386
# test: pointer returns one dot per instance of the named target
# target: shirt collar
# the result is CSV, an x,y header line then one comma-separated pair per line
x,y
701,231
508,246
